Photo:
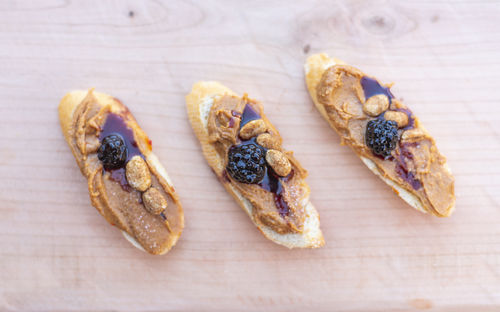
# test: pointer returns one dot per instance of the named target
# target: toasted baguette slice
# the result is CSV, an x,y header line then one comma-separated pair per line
x,y
324,78
118,201
199,103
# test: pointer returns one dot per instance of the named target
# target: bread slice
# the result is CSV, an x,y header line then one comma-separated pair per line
x,y
67,108
199,102
315,67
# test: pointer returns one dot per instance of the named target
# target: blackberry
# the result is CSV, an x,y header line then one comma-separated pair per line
x,y
246,163
112,152
381,136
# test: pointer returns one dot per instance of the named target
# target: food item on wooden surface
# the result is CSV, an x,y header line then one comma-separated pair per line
x,y
127,183
244,150
383,132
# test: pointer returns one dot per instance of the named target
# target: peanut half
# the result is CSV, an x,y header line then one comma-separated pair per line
x,y
268,141
279,162
253,128
376,104
399,117
154,201
137,173
412,135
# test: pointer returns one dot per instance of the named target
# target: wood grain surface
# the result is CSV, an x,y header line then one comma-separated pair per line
x,y
58,254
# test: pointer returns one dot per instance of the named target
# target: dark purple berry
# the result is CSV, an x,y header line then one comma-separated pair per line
x,y
112,152
381,136
246,163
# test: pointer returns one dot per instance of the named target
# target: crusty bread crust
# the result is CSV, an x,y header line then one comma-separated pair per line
x,y
67,107
314,68
199,102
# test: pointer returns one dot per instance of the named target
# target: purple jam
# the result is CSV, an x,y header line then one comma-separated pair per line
x,y
249,114
274,184
402,168
371,87
116,124
234,115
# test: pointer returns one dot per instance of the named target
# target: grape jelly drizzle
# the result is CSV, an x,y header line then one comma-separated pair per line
x,y
115,124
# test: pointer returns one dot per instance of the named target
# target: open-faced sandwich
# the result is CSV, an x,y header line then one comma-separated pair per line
x,y
244,150
127,183
383,132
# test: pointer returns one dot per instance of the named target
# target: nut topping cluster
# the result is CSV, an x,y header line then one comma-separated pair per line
x,y
113,154
247,161
139,177
381,134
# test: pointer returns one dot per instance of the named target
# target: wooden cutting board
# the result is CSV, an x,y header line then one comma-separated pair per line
x,y
58,254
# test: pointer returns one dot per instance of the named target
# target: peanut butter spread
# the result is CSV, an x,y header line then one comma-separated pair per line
x,y
278,198
118,194
351,100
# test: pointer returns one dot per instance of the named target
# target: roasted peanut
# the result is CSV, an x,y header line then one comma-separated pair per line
x,y
268,141
413,134
154,201
279,162
376,104
399,117
137,173
253,128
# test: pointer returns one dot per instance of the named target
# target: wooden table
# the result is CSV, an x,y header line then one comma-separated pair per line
x,y
58,254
